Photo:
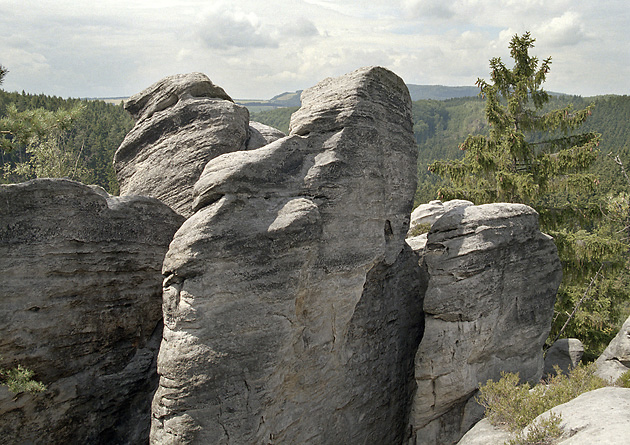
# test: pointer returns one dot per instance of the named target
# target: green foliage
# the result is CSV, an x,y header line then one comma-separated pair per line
x,y
419,229
20,379
513,405
508,164
42,133
624,380
89,143
542,432
531,152
278,118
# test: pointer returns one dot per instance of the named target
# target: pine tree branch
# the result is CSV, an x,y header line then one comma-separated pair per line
x,y
577,306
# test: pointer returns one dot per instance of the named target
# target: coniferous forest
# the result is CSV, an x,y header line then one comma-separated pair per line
x,y
93,137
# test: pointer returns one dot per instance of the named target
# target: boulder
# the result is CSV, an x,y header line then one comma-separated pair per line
x,y
80,306
565,353
428,213
599,417
183,121
261,135
615,360
488,308
292,304
484,433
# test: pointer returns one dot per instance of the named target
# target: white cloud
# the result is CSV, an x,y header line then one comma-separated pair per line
x,y
224,29
429,8
565,30
257,49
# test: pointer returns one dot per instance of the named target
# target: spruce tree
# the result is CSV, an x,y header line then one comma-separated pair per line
x,y
512,164
537,156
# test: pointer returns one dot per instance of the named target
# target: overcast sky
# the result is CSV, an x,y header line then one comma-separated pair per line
x,y
259,48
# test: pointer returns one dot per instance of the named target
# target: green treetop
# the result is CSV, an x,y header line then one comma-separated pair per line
x,y
511,164
3,72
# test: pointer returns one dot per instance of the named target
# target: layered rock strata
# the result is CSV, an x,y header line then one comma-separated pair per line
x,y
183,121
488,308
292,305
80,306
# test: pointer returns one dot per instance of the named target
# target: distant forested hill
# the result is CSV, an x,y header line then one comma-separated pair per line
x,y
96,135
439,127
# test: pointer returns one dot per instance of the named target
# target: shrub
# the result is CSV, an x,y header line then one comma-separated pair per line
x,y
419,229
543,432
20,379
624,380
514,406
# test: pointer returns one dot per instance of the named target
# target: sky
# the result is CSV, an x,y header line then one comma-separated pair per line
x,y
257,49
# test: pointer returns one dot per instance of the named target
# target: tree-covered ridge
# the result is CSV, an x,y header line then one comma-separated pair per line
x,y
92,139
441,126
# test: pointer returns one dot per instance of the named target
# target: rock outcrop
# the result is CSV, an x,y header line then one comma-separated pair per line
x,y
488,308
565,353
428,214
292,304
615,360
80,306
293,307
598,417
183,121
261,135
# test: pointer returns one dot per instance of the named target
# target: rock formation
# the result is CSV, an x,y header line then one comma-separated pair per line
x,y
598,417
291,303
80,306
427,214
565,353
183,121
615,360
488,308
293,308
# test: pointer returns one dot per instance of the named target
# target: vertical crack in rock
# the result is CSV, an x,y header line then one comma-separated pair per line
x,y
309,228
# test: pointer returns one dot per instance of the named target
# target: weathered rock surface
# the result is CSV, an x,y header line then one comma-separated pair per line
x,y
615,360
261,135
80,305
488,307
183,121
484,433
292,304
599,417
565,353
432,211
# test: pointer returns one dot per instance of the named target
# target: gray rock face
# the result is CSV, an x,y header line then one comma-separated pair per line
x,y
80,306
565,353
261,135
484,433
488,308
432,211
599,417
183,121
292,304
615,360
